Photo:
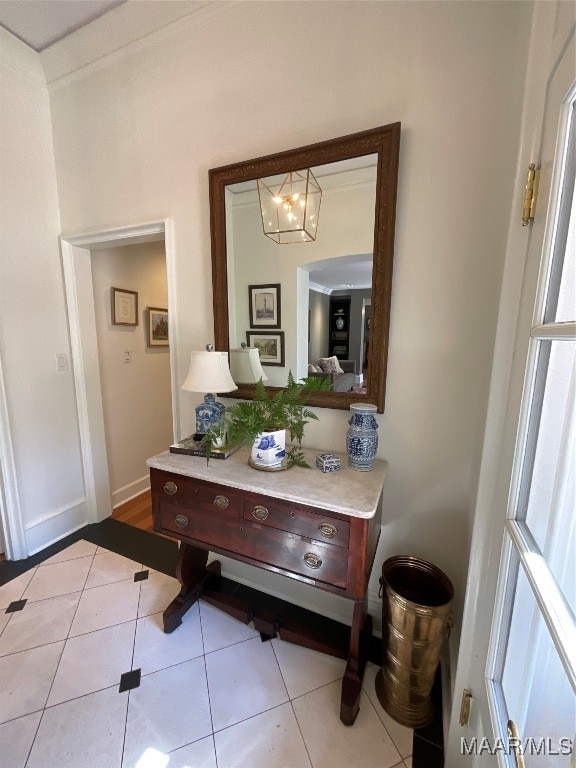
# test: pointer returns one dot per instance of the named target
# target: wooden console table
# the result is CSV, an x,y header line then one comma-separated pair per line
x,y
321,529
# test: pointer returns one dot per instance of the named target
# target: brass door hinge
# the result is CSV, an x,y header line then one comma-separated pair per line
x,y
465,707
530,194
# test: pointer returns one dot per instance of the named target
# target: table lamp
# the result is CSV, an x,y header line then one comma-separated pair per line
x,y
245,365
208,372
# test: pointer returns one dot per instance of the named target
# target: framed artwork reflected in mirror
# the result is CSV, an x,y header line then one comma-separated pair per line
x,y
264,304
270,346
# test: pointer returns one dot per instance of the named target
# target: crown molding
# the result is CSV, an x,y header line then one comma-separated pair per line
x,y
319,288
127,29
20,59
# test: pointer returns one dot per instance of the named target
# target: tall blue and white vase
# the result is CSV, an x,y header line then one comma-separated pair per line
x,y
362,438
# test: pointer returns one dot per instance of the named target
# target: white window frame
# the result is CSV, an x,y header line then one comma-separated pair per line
x,y
519,549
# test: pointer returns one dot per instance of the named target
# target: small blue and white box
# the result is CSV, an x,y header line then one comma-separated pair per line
x,y
327,462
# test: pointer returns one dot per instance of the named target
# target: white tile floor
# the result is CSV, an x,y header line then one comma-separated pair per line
x,y
211,694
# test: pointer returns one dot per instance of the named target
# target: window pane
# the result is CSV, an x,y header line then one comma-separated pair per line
x,y
551,497
538,695
566,309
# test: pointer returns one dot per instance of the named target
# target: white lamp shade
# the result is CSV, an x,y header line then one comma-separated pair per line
x,y
245,366
209,372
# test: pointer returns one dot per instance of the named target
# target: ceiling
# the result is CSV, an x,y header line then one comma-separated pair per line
x,y
40,23
342,273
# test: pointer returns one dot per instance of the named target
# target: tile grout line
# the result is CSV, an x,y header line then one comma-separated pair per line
x,y
396,747
207,683
58,665
292,707
383,726
204,655
33,648
131,669
45,707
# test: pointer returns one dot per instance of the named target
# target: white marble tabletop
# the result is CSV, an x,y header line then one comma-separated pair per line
x,y
347,491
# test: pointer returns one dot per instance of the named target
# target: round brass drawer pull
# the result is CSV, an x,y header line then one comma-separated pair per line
x,y
170,488
181,521
328,530
221,502
312,560
260,512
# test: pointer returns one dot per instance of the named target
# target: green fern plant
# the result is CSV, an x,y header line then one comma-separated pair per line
x,y
270,411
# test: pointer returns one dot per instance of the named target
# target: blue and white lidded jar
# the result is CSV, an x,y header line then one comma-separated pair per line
x,y
268,450
362,438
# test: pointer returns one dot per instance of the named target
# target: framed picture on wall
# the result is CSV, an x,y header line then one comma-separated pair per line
x,y
269,345
157,327
264,305
124,307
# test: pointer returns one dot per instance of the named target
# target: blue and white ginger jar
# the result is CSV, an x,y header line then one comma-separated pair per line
x,y
362,438
269,449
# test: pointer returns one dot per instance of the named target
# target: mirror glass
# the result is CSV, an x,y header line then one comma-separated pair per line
x,y
300,303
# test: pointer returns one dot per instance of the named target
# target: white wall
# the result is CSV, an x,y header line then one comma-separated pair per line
x,y
40,399
136,133
319,304
135,137
136,396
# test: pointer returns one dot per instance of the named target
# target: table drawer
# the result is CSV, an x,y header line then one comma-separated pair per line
x,y
315,560
217,529
294,519
188,493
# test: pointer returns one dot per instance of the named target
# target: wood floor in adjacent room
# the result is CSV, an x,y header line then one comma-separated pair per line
x,y
136,512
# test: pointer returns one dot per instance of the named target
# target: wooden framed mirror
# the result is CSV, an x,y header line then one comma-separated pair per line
x,y
346,272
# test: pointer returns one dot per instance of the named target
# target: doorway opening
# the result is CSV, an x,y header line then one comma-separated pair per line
x,y
134,362
85,288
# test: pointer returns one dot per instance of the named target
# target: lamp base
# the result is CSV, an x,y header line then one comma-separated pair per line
x,y
208,414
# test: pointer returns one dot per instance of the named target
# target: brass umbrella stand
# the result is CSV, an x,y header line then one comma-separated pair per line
x,y
416,617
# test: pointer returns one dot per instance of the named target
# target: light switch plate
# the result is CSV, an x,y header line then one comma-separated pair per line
x,y
61,362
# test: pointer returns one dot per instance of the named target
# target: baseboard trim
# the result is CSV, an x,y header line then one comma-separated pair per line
x,y
53,526
130,491
375,610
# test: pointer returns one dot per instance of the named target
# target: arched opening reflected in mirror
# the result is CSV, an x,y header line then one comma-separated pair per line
x,y
305,302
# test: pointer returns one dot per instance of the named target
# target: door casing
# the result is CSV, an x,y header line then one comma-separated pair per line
x,y
76,259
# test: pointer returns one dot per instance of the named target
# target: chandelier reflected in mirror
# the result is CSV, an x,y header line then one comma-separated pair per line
x,y
290,206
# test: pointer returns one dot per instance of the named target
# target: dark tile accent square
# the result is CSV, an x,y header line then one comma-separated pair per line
x,y
161,554
130,680
17,605
141,575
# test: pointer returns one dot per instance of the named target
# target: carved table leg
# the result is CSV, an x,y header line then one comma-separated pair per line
x,y
352,683
192,573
